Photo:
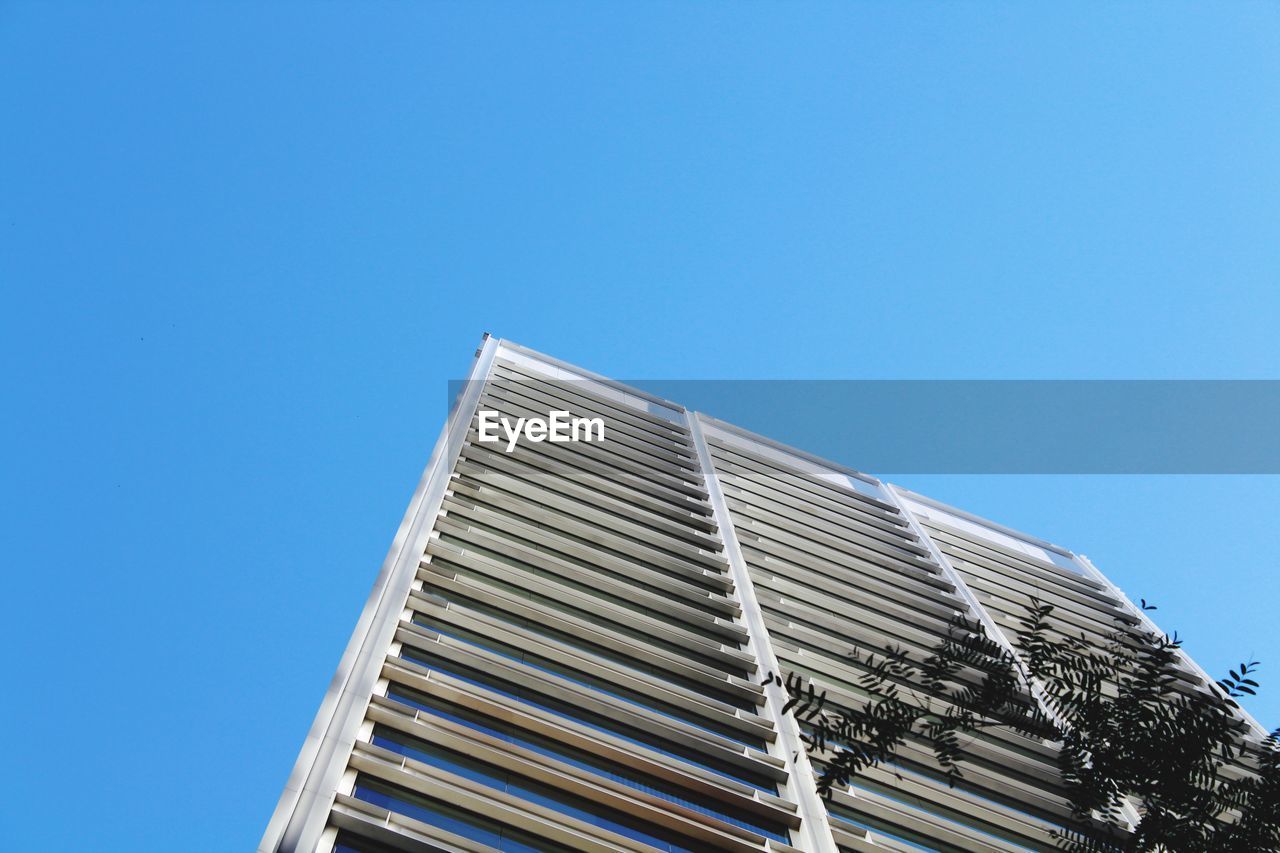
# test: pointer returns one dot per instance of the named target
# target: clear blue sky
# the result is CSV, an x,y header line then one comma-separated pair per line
x,y
243,247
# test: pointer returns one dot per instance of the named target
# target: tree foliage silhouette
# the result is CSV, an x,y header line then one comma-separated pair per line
x,y
1148,760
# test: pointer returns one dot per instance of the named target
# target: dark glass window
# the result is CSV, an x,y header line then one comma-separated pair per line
x,y
620,627
631,697
580,586
899,835
530,790
587,718
573,641
452,819
582,760
349,842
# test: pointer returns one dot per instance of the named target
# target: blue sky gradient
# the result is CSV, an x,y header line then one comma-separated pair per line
x,y
244,246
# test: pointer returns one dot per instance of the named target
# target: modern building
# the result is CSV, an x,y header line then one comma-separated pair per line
x,y
566,645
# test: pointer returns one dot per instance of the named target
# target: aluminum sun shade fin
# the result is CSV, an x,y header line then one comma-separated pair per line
x,y
572,601
838,572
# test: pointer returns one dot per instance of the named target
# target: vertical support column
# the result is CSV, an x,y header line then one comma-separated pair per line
x,y
976,610
994,631
297,826
815,832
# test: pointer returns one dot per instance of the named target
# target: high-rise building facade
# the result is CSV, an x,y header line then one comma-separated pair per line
x,y
566,647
